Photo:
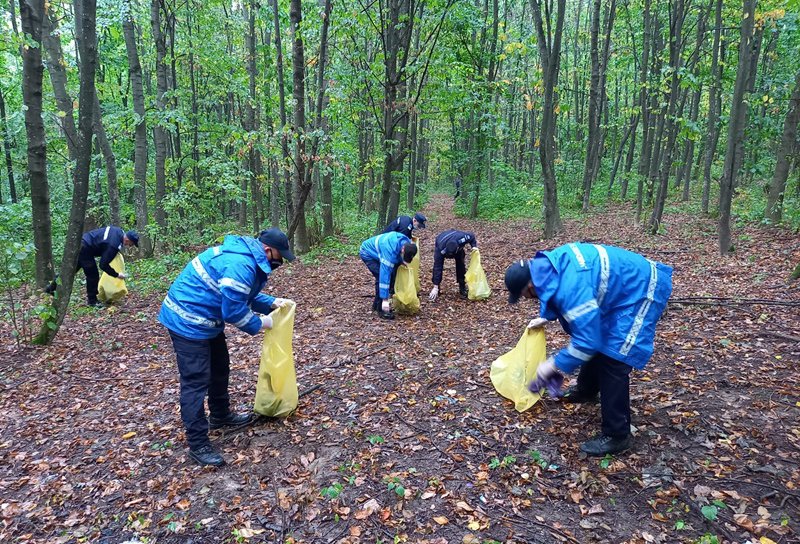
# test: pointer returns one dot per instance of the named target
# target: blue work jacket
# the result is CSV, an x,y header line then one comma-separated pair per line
x,y
607,299
221,285
386,248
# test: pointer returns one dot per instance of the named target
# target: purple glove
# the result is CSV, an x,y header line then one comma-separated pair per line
x,y
552,383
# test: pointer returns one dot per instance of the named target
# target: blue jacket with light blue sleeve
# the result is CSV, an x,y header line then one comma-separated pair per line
x,y
221,285
386,248
607,299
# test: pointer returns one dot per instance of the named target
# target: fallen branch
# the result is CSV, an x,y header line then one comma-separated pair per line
x,y
534,521
729,301
696,509
782,335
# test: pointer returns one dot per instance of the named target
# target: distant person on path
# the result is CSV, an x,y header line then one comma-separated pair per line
x,y
383,254
457,182
608,300
221,285
406,225
450,245
105,243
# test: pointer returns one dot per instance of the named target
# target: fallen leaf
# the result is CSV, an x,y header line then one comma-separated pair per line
x,y
441,520
129,435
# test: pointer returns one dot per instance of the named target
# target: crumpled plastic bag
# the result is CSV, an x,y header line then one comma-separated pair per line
x,y
276,392
476,278
414,264
111,289
512,372
406,300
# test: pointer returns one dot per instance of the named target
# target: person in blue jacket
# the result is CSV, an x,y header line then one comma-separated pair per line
x,y
450,245
406,225
608,300
383,254
221,285
105,243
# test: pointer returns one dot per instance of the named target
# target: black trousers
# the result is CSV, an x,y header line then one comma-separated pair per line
x,y
610,378
375,268
461,268
87,263
204,367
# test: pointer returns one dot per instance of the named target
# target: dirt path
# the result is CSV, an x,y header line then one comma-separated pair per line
x,y
406,439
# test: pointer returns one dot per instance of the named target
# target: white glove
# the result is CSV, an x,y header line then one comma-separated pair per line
x,y
474,249
546,368
281,302
385,306
537,322
434,293
266,322
121,275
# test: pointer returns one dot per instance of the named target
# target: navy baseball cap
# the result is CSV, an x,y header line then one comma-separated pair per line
x,y
133,236
275,237
518,276
420,219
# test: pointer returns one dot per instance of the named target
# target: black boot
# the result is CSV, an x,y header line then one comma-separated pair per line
x,y
602,445
574,396
376,304
206,456
463,291
231,420
385,315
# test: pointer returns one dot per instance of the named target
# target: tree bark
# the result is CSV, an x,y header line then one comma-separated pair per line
x,y
86,37
285,166
31,16
159,134
714,108
777,187
140,130
550,54
7,144
58,79
110,160
733,150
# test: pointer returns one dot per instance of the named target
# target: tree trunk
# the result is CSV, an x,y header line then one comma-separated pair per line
x,y
140,132
550,54
7,144
58,79
594,105
87,44
31,16
714,107
736,127
285,165
159,134
777,187
110,160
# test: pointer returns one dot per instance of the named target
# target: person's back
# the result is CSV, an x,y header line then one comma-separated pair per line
x,y
97,241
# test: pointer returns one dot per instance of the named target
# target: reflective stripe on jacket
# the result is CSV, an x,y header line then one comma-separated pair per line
x,y
221,285
607,298
387,249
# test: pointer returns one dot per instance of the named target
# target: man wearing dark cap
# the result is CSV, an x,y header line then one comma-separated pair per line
x,y
406,225
221,285
608,300
450,245
105,243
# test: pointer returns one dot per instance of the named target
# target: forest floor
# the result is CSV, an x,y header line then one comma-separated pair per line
x,y
405,440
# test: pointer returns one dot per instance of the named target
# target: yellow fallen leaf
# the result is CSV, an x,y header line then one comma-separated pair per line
x,y
473,525
441,520
765,540
129,435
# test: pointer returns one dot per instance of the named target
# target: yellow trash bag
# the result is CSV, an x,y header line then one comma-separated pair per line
x,y
111,289
414,264
511,373
276,392
476,278
406,300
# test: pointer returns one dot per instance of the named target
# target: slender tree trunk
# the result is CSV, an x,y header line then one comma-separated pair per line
x,y
550,54
714,107
159,134
31,16
195,110
87,45
110,160
286,164
777,187
140,131
300,239
594,105
736,127
7,144
58,79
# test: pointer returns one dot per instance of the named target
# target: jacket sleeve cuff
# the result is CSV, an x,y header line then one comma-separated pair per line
x,y
263,303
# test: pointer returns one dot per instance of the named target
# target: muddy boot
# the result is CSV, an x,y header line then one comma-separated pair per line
x,y
463,291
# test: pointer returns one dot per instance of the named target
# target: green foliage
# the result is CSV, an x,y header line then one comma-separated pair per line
x,y
375,439
506,462
707,539
332,492
394,485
